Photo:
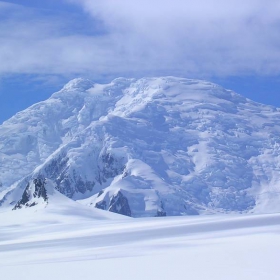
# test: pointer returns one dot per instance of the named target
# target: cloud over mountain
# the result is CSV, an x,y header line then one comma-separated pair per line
x,y
130,37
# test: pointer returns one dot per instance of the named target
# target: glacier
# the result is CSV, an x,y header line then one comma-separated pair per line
x,y
161,146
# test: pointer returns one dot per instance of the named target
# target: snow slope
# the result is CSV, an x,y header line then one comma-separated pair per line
x,y
148,147
50,244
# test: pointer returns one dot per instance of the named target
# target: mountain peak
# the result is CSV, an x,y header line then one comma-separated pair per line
x,y
35,193
78,84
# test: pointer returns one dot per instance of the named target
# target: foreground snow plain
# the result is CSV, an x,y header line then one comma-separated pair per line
x,y
71,241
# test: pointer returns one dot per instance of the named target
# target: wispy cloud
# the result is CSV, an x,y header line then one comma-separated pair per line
x,y
141,37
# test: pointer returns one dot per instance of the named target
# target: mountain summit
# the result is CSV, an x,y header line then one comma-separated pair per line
x,y
147,147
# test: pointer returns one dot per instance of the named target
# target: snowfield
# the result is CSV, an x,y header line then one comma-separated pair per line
x,y
72,241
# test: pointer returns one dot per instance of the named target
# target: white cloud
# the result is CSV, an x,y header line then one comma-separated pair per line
x,y
204,36
191,38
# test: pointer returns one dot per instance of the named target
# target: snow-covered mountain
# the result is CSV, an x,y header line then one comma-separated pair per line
x,y
148,147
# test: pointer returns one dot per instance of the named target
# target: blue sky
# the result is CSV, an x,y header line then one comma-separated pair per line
x,y
234,43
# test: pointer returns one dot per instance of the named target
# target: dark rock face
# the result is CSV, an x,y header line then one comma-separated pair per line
x,y
101,205
70,181
24,199
108,167
40,190
30,195
56,166
161,213
119,204
69,184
